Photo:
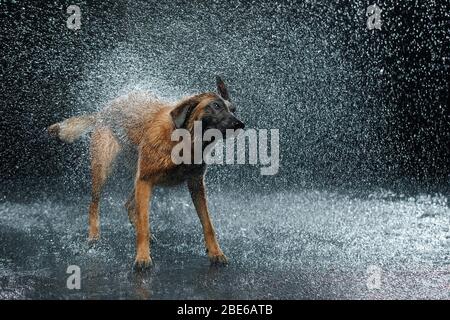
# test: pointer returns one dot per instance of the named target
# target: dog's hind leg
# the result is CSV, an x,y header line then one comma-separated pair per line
x,y
130,205
104,149
131,164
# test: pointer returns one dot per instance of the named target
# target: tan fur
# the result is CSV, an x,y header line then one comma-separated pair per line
x,y
142,121
71,129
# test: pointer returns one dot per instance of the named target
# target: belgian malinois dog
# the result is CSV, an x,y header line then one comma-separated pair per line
x,y
140,123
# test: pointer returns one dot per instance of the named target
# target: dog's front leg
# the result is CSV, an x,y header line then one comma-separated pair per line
x,y
143,190
196,187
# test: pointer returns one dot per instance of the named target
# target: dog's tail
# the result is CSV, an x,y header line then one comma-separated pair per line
x,y
73,128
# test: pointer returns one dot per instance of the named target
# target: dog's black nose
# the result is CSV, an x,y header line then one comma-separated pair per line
x,y
239,125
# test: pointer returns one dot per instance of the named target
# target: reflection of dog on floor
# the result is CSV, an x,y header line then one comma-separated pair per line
x,y
145,124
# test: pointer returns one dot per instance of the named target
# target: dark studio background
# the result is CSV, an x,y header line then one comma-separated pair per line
x,y
355,108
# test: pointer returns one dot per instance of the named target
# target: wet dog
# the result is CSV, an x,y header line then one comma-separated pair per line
x,y
141,123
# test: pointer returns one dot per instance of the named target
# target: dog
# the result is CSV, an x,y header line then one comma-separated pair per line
x,y
140,123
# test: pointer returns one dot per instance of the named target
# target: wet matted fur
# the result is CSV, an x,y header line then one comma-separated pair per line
x,y
141,122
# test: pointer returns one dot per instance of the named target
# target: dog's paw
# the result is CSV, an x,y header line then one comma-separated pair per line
x,y
218,259
93,239
142,264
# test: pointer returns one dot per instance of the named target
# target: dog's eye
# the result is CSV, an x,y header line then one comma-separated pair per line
x,y
216,106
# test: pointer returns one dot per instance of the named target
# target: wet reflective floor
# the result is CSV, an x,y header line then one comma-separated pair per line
x,y
304,244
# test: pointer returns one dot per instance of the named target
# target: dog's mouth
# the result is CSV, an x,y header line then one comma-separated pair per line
x,y
237,128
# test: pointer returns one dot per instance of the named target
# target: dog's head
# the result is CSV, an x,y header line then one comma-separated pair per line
x,y
215,111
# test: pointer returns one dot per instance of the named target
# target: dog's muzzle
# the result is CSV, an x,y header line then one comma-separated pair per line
x,y
234,123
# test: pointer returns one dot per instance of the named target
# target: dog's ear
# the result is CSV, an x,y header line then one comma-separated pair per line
x,y
182,112
222,89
